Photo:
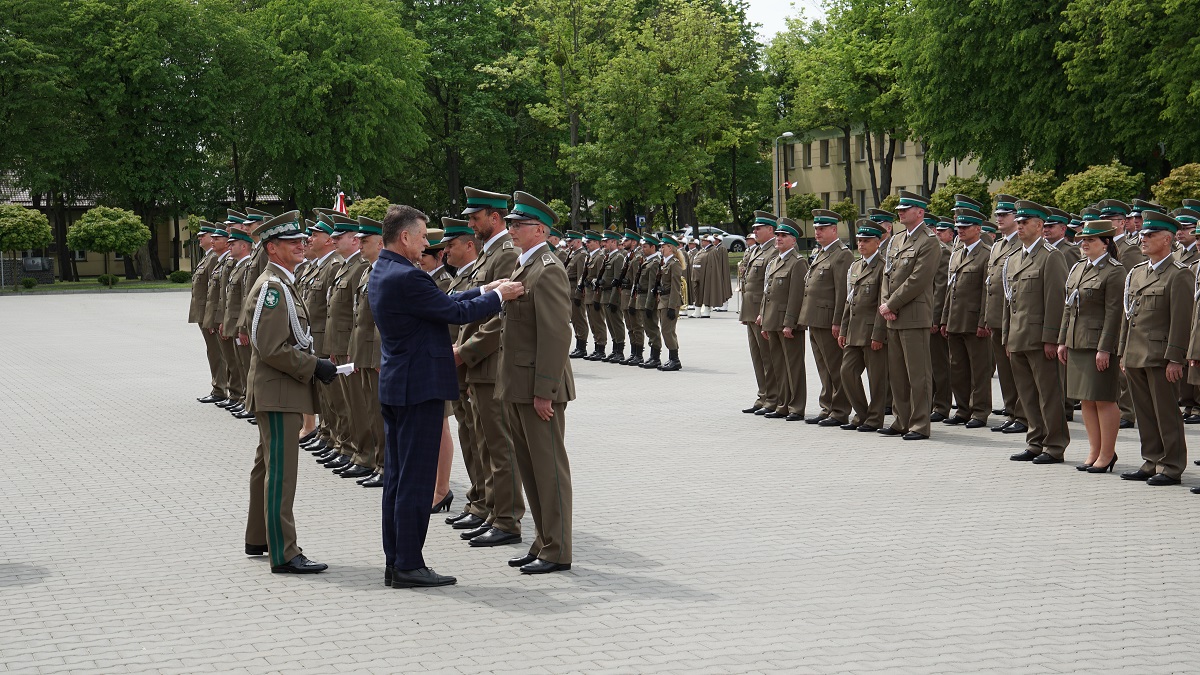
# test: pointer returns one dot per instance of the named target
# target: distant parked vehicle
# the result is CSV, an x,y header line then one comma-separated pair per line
x,y
736,243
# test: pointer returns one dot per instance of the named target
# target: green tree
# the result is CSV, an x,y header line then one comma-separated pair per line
x,y
941,202
800,206
560,209
847,209
712,211
1182,183
891,202
1104,181
106,230
22,229
1037,186
374,208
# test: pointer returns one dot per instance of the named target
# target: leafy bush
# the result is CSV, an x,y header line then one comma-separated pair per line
x,y
108,280
1036,186
374,208
941,202
1182,183
29,282
800,206
1103,181
180,277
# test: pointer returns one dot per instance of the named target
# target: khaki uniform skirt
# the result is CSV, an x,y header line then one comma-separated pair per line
x,y
1085,383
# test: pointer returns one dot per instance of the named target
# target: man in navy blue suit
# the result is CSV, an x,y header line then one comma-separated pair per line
x,y
416,378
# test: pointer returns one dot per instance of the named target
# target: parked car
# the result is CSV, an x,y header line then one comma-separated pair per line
x,y
736,243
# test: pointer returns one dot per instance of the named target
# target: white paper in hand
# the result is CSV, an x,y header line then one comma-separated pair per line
x,y
345,369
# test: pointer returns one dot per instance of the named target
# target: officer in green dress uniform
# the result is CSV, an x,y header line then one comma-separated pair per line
x,y
939,347
1130,254
200,277
592,293
610,294
779,320
995,309
646,303
821,313
1187,253
668,290
1154,341
862,333
962,323
752,274
314,289
576,264
633,318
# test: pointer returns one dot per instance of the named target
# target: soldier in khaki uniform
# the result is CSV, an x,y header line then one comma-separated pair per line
x,y
536,383
995,309
1129,252
939,347
576,264
1188,254
962,323
1154,341
751,276
1054,230
214,311
610,293
282,372
593,306
821,314
668,292
779,320
1034,279
314,288
645,303
863,332
633,318
200,277
1089,338
478,348
240,246
907,304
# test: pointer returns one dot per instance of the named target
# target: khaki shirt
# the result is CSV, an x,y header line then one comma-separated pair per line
x,y
860,320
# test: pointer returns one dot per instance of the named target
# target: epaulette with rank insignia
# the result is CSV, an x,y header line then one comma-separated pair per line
x,y
1049,246
548,259
1180,265
507,245
1144,262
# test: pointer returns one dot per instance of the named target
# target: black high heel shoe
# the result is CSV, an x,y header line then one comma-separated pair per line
x,y
1082,467
1103,469
444,505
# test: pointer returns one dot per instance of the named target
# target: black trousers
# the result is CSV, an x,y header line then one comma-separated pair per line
x,y
413,437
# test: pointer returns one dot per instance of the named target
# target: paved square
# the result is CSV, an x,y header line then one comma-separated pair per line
x,y
706,540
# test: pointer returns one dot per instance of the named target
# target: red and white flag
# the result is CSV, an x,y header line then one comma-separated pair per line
x,y
339,202
787,185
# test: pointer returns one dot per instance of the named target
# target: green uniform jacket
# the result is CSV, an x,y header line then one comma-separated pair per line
x,y
365,348
1158,310
235,297
644,284
995,307
1093,315
636,262
825,287
962,311
1129,251
860,320
783,295
909,269
670,284
1034,289
614,262
281,372
592,273
315,290
480,341
200,288
339,321
535,337
754,272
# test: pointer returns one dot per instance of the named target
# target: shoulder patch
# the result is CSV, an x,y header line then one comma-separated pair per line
x,y
1049,246
548,259
272,298
508,245
1113,261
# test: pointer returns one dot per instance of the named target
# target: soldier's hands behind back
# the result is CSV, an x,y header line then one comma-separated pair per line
x,y
325,371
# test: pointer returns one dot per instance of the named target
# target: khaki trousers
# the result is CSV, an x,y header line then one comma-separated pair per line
x,y
472,454
787,357
637,334
615,321
828,355
854,361
1036,378
764,374
667,327
339,405
971,375
273,485
939,361
1187,393
1125,400
596,321
243,353
546,475
212,351
1008,388
653,332
579,322
502,485
235,389
362,436
911,381
370,383
223,367
1160,425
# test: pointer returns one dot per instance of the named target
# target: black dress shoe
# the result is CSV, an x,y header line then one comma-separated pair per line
x,y
477,532
375,481
830,422
887,410
454,519
577,353
543,567
1196,490
597,355
1015,427
340,462
888,431
374,474
299,565
752,409
975,424
496,537
356,471
671,366
953,420
763,411
244,415
316,448
235,408
211,398
1025,456
867,429
256,549
387,575
522,561
1000,411
773,415
224,403
1047,458
793,417
914,436
651,364
1002,426
1162,479
850,427
936,417
816,420
1137,475
326,455
1126,424
253,421
420,578
469,522
1192,419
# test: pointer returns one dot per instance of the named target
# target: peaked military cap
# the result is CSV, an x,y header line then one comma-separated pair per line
x,y
822,217
283,226
232,216
256,215
650,239
930,220
868,229
1113,207
765,219
631,236
944,224
1028,209
1193,204
990,227
1057,216
1089,213
528,207
1076,221
669,240
572,234
555,233
881,216
1098,228
787,226
478,200
321,226
207,227
910,200
1156,221
329,212
455,227
1006,203
436,242
218,232
369,226
591,235
1138,206
966,217
967,202
1186,216
611,235
343,224
241,236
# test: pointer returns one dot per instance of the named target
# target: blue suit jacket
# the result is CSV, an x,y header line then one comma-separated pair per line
x,y
412,314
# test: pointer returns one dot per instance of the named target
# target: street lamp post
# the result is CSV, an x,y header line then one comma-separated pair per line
x,y
780,206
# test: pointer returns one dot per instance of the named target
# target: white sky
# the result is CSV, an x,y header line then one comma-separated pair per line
x,y
771,14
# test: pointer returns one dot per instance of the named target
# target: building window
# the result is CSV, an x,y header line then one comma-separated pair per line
x,y
844,144
841,196
808,155
862,202
862,148
117,257
789,155
79,256
900,148
920,148
825,152
825,199
900,188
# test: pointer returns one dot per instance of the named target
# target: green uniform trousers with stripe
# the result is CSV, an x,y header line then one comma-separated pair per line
x,y
273,485
546,475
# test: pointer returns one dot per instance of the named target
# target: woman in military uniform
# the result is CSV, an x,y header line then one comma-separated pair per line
x,y
1088,337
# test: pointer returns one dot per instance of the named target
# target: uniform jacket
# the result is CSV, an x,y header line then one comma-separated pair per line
x,y
479,342
783,295
995,307
715,283
1158,310
442,277
535,337
940,280
411,312
365,351
754,272
636,260
644,284
860,319
200,288
1034,284
213,308
281,371
1188,256
258,263
614,262
1129,251
825,287
235,296
962,310
1093,315
576,266
908,276
592,273
670,284
339,321
316,296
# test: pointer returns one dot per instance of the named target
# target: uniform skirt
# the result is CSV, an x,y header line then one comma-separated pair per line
x,y
1085,383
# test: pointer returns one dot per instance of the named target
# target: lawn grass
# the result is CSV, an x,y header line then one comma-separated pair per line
x,y
91,286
